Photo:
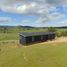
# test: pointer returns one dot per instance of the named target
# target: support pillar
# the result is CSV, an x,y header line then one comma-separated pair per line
x,y
41,37
33,39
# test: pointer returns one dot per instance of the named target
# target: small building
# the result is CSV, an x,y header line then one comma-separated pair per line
x,y
30,37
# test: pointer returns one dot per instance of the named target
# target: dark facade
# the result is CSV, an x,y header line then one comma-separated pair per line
x,y
26,38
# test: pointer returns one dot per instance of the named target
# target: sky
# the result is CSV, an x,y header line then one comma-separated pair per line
x,y
36,13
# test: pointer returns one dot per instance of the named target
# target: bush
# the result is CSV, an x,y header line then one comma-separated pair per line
x,y
58,34
61,33
52,29
64,33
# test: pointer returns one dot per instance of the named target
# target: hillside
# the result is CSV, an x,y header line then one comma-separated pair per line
x,y
12,54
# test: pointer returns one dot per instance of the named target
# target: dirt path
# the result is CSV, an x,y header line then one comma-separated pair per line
x,y
58,40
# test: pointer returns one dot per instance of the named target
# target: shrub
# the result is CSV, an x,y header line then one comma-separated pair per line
x,y
58,34
64,33
52,29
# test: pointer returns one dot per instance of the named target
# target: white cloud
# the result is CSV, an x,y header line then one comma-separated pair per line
x,y
35,7
5,19
56,16
57,2
40,8
54,2
26,6
63,22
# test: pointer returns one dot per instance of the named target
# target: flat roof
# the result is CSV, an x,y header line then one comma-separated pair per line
x,y
26,34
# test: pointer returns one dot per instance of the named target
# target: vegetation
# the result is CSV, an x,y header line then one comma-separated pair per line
x,y
59,32
9,36
19,29
52,29
37,55
13,33
12,54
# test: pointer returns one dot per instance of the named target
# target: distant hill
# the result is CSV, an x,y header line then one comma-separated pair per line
x,y
16,26
26,26
7,26
30,27
57,27
62,27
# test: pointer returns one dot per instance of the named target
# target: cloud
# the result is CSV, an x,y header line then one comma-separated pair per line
x,y
5,19
57,2
40,8
51,17
12,2
63,22
56,16
29,7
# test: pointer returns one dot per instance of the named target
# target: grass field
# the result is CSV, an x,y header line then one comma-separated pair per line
x,y
12,54
9,36
50,54
14,33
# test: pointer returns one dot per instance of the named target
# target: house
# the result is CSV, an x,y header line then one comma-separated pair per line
x,y
30,37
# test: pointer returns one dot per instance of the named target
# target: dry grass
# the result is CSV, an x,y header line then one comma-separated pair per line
x,y
45,54
58,40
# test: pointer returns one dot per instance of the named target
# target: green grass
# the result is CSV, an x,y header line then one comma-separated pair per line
x,y
13,34
9,36
36,55
17,30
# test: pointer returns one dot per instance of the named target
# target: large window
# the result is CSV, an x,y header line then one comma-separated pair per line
x,y
37,38
45,37
29,39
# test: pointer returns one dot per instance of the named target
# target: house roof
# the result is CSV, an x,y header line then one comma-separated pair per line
x,y
26,34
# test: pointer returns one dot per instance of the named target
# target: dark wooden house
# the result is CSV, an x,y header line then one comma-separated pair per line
x,y
26,38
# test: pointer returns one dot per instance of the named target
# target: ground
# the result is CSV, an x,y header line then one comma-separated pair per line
x,y
58,40
45,54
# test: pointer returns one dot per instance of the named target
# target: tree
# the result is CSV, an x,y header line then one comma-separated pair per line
x,y
52,29
5,30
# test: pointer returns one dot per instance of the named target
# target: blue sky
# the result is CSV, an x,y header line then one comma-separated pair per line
x,y
37,13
